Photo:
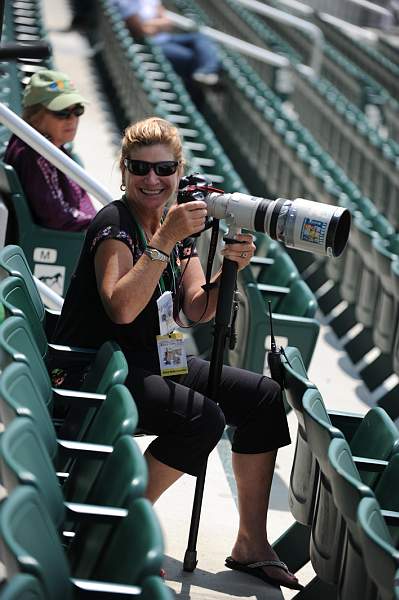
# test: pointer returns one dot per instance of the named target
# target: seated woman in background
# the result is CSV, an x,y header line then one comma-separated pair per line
x,y
136,259
52,105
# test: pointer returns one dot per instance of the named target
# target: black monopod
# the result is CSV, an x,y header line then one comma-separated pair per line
x,y
274,355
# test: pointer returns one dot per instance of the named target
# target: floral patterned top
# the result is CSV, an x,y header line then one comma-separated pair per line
x,y
83,321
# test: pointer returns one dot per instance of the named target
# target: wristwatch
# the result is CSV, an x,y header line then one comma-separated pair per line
x,y
156,254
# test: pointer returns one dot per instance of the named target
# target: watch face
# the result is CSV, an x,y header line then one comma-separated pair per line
x,y
154,254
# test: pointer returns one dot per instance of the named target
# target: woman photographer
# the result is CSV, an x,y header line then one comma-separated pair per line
x,y
137,255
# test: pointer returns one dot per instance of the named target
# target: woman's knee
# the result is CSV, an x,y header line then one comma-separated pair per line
x,y
210,424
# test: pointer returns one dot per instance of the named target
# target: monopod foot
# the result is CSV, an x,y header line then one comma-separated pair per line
x,y
190,560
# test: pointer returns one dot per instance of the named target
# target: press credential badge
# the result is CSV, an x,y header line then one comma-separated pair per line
x,y
170,343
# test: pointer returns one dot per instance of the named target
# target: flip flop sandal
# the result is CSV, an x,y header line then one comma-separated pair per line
x,y
256,570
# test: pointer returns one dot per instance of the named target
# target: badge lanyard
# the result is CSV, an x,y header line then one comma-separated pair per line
x,y
171,351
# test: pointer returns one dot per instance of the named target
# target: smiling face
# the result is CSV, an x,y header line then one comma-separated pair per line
x,y
151,192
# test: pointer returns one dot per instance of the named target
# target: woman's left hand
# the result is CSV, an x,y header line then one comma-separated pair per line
x,y
241,252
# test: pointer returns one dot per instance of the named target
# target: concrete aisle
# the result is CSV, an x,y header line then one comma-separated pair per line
x,y
97,144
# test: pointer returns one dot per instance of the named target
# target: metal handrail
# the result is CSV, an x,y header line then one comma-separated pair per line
x,y
252,50
50,298
279,15
53,154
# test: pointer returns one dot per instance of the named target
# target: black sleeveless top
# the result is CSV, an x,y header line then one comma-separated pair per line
x,y
84,322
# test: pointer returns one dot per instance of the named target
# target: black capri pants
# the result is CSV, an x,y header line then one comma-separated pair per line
x,y
189,424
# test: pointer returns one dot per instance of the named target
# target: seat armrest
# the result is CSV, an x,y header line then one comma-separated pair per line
x,y
261,261
63,348
391,517
73,398
275,290
370,464
82,449
346,422
85,589
96,513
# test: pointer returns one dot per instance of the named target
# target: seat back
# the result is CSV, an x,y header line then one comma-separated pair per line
x,y
127,470
319,429
20,395
13,262
304,471
116,417
18,343
377,437
30,544
15,297
300,301
52,254
140,559
22,587
108,369
380,555
25,460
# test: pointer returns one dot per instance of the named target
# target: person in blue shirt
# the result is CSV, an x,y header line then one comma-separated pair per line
x,y
192,54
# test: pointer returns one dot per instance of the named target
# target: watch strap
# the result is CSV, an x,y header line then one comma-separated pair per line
x,y
156,254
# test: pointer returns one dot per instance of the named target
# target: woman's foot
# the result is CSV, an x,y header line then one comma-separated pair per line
x,y
249,561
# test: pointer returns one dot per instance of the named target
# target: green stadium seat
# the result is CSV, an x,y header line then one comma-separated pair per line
x,y
293,544
30,544
253,327
348,490
22,587
376,437
380,555
122,477
117,416
108,368
13,262
52,254
384,252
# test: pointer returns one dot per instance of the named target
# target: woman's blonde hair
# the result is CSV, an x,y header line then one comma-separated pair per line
x,y
149,132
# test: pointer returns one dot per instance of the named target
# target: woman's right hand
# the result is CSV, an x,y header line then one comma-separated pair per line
x,y
184,220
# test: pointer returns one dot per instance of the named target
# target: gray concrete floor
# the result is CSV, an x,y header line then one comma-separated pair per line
x,y
97,143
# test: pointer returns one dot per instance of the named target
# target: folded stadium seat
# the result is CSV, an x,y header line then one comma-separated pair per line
x,y
29,543
376,438
282,272
121,479
384,252
17,344
22,587
348,490
52,254
253,327
360,284
369,280
304,476
293,545
116,417
389,400
379,552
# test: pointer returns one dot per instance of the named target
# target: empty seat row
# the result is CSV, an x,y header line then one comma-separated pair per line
x,y
342,462
83,501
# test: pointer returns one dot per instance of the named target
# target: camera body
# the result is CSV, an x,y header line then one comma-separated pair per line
x,y
302,224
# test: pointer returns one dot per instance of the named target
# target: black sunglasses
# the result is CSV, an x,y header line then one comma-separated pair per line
x,y
76,111
162,168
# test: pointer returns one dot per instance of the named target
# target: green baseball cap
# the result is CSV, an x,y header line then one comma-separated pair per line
x,y
52,89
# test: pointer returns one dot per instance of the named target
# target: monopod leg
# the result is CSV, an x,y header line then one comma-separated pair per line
x,y
221,332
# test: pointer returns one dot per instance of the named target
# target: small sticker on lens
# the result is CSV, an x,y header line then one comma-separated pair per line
x,y
314,231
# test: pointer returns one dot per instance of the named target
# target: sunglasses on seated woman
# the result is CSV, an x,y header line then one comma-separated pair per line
x,y
77,111
163,168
